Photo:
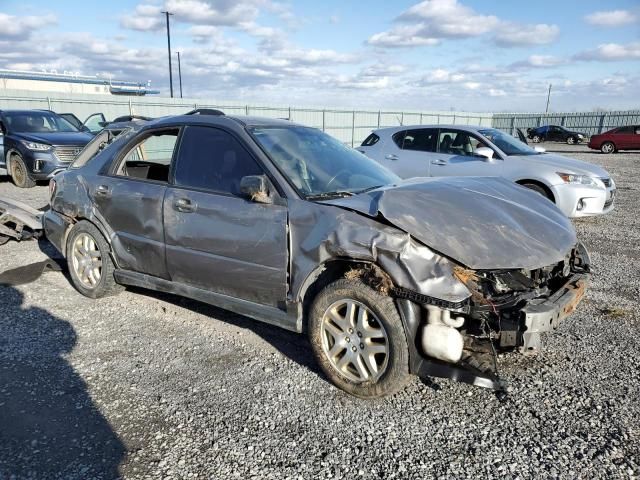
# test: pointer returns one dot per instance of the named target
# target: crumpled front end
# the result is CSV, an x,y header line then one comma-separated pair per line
x,y
508,311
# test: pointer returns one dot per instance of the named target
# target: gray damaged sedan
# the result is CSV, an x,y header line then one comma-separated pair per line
x,y
284,224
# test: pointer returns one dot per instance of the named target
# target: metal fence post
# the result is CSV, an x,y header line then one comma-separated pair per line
x,y
513,125
601,126
420,118
378,118
353,129
246,110
289,112
49,102
130,107
401,118
323,120
454,118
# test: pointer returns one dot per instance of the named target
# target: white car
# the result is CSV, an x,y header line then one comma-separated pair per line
x,y
578,188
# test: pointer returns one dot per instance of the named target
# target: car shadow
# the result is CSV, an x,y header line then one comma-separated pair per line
x,y
49,425
292,345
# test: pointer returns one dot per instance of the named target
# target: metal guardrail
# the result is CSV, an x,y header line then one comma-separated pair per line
x,y
590,123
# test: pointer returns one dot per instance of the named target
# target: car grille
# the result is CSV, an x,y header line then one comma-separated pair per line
x,y
606,181
67,153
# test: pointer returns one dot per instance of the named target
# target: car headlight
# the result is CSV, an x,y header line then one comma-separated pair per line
x,y
39,147
579,179
580,135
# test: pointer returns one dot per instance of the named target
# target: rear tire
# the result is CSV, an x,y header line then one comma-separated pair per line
x,y
358,339
537,188
20,174
89,261
608,147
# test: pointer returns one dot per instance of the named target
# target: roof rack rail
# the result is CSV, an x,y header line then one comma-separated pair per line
x,y
206,111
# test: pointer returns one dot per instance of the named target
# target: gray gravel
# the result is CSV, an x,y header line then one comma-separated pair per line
x,y
145,385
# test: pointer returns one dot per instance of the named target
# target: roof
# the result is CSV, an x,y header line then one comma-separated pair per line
x,y
472,128
222,119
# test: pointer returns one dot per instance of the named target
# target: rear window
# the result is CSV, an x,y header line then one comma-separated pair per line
x,y
370,140
625,130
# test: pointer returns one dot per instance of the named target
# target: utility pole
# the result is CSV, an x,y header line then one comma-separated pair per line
x,y
180,74
548,97
169,48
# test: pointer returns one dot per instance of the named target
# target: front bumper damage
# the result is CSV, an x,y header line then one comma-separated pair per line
x,y
508,311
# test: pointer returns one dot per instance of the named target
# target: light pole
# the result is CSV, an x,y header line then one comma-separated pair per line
x,y
169,48
548,98
180,74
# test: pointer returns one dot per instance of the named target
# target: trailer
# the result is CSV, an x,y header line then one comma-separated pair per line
x,y
18,221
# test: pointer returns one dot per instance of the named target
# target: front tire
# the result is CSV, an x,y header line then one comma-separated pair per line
x,y
571,141
20,174
607,147
89,261
536,139
358,339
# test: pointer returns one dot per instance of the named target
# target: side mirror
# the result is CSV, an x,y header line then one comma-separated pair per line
x,y
540,149
255,188
485,152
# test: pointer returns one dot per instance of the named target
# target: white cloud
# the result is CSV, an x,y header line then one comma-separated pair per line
x,y
12,27
144,18
431,20
440,75
611,52
611,18
517,35
537,61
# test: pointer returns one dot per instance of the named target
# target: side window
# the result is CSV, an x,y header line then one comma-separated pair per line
x,y
212,159
625,130
150,158
421,140
370,140
457,142
637,130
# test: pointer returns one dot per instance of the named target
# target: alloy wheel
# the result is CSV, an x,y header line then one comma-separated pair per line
x,y
86,260
354,341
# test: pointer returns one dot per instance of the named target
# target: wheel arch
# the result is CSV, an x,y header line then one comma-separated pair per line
x,y
326,273
93,221
540,184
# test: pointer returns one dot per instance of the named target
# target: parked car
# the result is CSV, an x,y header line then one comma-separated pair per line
x,y
621,138
578,188
554,133
92,124
37,144
285,224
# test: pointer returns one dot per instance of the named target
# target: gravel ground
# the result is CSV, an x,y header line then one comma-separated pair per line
x,y
145,385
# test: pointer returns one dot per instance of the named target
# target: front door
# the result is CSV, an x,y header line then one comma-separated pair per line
x,y
456,156
130,201
216,239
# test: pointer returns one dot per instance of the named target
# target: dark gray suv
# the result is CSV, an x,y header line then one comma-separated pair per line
x,y
37,144
284,224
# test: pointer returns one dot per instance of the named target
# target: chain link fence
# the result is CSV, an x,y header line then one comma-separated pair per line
x,y
349,126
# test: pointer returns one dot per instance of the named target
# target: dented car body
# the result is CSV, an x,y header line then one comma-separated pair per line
x,y
283,224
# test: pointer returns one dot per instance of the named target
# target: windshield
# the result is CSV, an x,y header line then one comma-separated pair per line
x,y
508,144
37,122
317,164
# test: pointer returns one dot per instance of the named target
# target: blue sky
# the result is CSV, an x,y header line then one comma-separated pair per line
x,y
466,55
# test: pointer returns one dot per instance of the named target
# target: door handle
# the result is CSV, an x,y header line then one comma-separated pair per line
x,y
103,191
438,162
391,156
184,205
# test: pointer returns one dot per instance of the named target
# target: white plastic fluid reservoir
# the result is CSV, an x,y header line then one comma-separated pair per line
x,y
442,342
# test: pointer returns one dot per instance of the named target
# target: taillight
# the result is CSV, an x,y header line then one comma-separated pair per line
x,y
52,188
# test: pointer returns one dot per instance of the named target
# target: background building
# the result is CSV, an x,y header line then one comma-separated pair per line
x,y
69,82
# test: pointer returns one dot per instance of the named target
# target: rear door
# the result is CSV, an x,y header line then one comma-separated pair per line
x,y
409,153
130,200
216,239
456,156
624,137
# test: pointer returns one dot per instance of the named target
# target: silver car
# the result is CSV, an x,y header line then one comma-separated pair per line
x,y
578,188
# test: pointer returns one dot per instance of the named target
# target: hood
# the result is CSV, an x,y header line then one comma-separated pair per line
x,y
56,138
485,223
567,165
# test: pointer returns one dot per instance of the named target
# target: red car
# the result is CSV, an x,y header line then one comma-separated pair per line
x,y
621,138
